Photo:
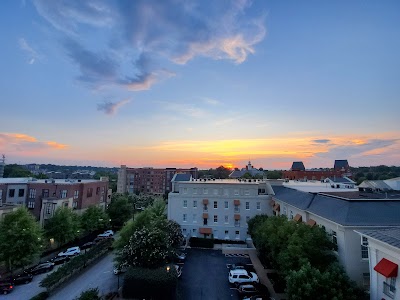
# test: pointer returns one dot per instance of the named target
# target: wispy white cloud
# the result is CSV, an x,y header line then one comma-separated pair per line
x,y
110,108
32,53
188,110
211,101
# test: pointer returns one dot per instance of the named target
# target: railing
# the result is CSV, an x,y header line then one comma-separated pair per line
x,y
389,290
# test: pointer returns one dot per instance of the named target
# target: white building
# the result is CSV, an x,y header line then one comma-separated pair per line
x,y
340,213
384,261
218,208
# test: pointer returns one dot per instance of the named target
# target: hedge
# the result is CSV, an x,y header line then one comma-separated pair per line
x,y
76,264
159,283
41,296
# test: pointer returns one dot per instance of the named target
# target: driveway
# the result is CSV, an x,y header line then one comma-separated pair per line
x,y
205,276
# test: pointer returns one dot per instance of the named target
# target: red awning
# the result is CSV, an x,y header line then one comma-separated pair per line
x,y
311,222
205,216
387,268
205,201
277,207
237,217
205,230
236,202
298,218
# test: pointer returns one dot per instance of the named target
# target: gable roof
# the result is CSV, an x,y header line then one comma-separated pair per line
x,y
298,166
182,177
341,180
341,163
347,212
375,185
389,236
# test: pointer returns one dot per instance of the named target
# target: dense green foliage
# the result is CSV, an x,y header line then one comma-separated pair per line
x,y
15,170
220,172
146,283
63,226
303,256
93,218
274,174
90,294
375,173
20,238
119,210
41,296
78,262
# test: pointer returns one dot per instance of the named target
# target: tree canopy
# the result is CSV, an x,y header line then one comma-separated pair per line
x,y
63,226
119,210
20,238
93,218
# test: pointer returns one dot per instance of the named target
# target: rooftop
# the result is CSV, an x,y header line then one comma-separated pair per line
x,y
315,186
226,181
389,236
25,180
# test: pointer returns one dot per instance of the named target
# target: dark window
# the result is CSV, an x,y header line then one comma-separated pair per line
x,y
45,193
204,221
11,193
97,190
21,192
89,192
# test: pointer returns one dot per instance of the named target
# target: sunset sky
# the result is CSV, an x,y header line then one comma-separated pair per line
x,y
200,83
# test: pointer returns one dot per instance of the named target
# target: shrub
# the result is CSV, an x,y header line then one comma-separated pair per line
x,y
41,296
201,242
54,279
157,283
90,294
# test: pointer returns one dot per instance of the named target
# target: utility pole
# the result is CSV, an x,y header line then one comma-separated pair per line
x,y
2,164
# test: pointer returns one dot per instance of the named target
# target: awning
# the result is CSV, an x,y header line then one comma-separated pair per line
x,y
236,202
298,218
205,216
205,201
205,230
387,268
277,207
272,202
237,217
311,222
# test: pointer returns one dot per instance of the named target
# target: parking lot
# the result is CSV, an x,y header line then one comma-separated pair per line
x,y
205,275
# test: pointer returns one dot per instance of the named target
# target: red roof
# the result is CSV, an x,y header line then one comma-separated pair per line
x,y
387,268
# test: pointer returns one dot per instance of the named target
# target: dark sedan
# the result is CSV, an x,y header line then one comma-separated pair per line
x,y
6,288
22,278
58,260
41,268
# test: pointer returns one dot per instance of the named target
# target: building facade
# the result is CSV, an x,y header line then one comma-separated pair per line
x,y
148,180
340,213
384,260
218,208
32,193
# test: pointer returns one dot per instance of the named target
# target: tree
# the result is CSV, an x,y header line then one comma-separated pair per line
x,y
93,218
20,238
90,294
254,223
63,226
310,283
119,210
15,170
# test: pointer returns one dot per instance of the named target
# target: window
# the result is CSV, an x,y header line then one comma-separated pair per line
x,y
1,195
215,219
247,205
258,205
237,208
185,190
389,287
194,218
194,190
205,207
226,192
76,194
184,217
194,232
215,192
63,194
65,204
247,192
205,191
194,203
237,223
364,248
11,193
236,192
227,234
205,221
31,204
32,193
45,193
185,203
226,204
226,219
215,204
48,209
103,190
237,234
184,232
247,219
21,192
291,215
75,204
97,190
284,210
89,192
366,281
334,237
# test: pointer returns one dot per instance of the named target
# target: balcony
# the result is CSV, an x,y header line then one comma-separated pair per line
x,y
389,290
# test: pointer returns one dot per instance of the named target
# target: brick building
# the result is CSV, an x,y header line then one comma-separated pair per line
x,y
148,180
298,171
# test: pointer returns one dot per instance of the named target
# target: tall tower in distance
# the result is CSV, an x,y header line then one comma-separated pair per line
x,y
2,164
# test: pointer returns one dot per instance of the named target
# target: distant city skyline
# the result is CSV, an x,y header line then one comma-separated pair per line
x,y
200,83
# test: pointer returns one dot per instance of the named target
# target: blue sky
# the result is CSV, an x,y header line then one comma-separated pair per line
x,y
200,83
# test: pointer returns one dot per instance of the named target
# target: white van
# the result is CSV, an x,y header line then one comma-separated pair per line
x,y
242,276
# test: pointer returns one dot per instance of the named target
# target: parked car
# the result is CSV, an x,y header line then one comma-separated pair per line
x,y
41,268
22,278
178,270
247,290
179,257
87,245
58,260
70,252
119,270
6,287
107,233
242,276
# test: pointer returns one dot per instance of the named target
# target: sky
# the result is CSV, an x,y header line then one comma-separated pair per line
x,y
177,83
